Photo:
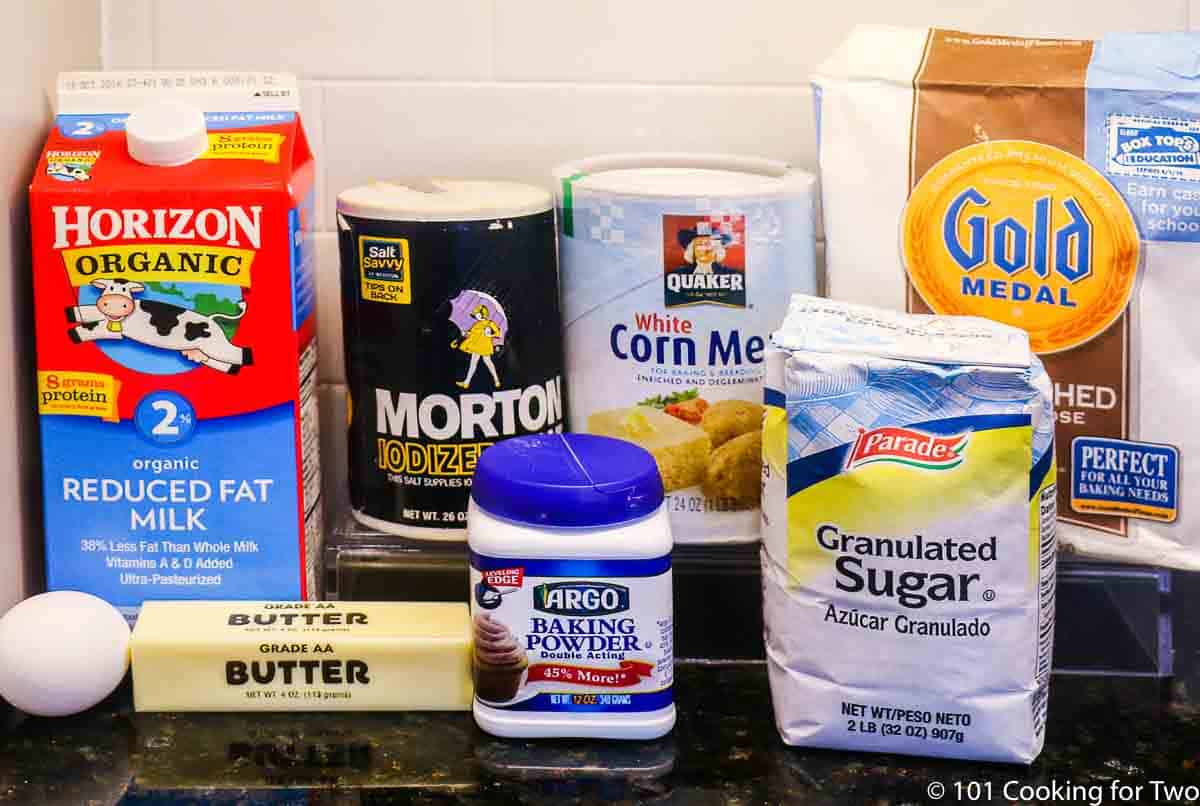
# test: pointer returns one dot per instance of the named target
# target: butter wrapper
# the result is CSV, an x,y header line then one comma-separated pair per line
x,y
302,656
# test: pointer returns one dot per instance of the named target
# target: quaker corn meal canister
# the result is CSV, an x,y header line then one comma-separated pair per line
x,y
572,615
452,336
675,268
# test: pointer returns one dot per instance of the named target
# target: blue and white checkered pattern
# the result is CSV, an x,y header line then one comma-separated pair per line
x,y
862,394
604,222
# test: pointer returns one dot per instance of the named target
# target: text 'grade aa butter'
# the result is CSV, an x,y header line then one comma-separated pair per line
x,y
302,656
174,305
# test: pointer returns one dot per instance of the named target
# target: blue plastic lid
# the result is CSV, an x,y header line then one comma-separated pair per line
x,y
567,480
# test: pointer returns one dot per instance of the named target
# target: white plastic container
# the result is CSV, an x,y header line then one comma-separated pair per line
x,y
571,590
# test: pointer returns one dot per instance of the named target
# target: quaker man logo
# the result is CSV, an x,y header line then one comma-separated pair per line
x,y
704,260
907,446
483,328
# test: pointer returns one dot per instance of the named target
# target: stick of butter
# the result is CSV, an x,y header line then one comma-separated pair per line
x,y
302,656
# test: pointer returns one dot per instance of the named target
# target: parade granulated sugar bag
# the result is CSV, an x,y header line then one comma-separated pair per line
x,y
908,533
1053,185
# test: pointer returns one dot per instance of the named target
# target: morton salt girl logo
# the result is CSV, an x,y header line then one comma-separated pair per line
x,y
482,329
704,260
1024,234
908,446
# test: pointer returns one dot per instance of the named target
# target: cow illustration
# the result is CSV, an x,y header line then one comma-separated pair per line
x,y
118,315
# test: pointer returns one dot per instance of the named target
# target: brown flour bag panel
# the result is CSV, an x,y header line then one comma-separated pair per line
x,y
1053,185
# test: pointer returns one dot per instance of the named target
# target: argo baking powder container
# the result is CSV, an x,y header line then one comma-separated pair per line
x,y
451,317
571,590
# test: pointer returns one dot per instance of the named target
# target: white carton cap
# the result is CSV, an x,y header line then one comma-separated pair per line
x,y
437,199
685,175
166,133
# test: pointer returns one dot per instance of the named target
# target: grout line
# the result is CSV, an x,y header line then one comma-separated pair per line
x,y
105,42
328,80
332,233
152,25
322,173
494,10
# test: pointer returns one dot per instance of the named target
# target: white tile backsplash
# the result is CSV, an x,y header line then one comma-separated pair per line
x,y
446,39
521,131
758,41
312,97
332,368
698,42
128,33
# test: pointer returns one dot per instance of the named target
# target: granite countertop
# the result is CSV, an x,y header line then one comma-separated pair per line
x,y
724,750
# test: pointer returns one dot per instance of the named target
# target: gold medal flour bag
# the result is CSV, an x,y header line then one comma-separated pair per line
x,y
908,533
1053,185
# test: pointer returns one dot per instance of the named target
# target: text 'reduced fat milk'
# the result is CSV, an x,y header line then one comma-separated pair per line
x,y
1053,185
909,518
174,305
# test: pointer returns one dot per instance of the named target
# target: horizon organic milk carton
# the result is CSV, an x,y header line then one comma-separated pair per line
x,y
1052,185
173,282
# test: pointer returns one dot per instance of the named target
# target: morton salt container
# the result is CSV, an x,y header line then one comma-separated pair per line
x,y
570,548
452,336
675,269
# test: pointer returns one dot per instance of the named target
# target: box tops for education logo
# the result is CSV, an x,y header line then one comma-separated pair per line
x,y
704,260
1166,148
908,446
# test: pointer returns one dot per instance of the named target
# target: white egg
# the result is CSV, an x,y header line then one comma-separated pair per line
x,y
61,653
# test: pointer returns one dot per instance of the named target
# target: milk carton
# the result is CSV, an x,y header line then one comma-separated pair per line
x,y
173,281
908,533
